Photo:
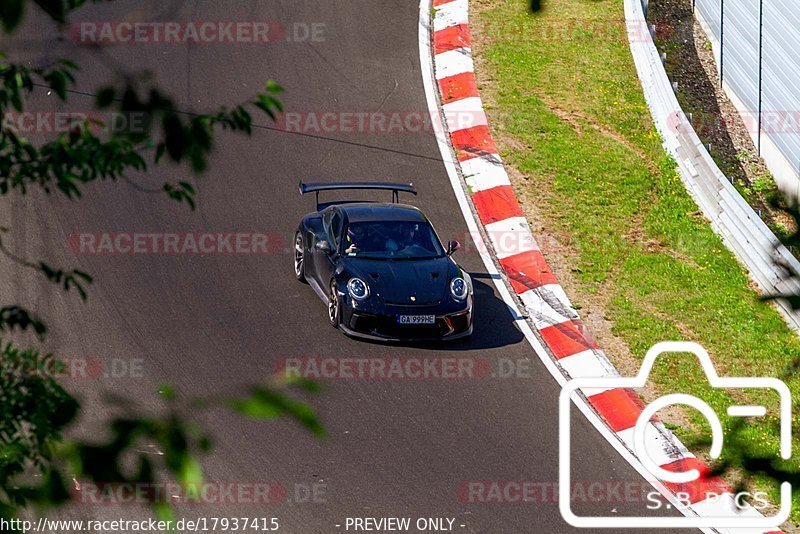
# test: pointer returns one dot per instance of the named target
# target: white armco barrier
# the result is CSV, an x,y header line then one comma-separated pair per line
x,y
731,217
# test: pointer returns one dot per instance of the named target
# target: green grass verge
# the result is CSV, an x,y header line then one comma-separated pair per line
x,y
564,97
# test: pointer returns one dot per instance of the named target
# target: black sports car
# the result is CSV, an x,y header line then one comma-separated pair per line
x,y
381,268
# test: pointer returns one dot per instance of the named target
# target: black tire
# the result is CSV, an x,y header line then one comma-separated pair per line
x,y
299,257
334,306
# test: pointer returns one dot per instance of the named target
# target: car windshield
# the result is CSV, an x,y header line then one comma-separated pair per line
x,y
406,240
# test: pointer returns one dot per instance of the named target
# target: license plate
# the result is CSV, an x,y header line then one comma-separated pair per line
x,y
416,319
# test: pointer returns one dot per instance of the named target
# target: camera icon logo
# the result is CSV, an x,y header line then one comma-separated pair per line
x,y
739,515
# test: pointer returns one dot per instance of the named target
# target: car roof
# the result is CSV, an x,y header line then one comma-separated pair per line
x,y
373,211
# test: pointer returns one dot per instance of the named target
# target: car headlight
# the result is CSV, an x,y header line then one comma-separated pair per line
x,y
358,289
459,288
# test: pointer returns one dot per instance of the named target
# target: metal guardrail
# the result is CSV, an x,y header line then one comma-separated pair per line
x,y
742,230
755,44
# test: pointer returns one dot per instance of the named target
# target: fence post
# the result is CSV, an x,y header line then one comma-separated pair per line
x,y
760,68
721,41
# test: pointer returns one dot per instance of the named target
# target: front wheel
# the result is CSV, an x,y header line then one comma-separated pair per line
x,y
334,306
299,257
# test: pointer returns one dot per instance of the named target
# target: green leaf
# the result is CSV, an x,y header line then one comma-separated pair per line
x,y
167,392
187,186
86,276
273,87
191,473
265,403
163,512
266,108
16,98
174,137
304,383
160,148
105,97
11,13
54,8
58,83
257,408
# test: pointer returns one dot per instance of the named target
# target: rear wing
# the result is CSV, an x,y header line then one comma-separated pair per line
x,y
336,186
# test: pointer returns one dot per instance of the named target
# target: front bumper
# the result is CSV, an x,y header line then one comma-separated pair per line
x,y
383,326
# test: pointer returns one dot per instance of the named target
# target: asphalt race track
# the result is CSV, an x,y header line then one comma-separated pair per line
x,y
211,324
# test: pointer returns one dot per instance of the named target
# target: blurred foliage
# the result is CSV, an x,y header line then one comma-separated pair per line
x,y
36,461
35,410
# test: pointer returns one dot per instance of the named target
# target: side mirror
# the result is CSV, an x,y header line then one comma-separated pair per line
x,y
324,246
452,246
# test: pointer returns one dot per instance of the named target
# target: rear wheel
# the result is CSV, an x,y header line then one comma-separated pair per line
x,y
334,306
299,257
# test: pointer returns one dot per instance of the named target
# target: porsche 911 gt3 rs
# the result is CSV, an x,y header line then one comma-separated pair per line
x,y
381,269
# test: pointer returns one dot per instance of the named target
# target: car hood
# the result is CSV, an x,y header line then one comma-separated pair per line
x,y
397,281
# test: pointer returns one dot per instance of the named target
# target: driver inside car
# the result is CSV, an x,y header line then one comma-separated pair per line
x,y
394,240
362,237
355,233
